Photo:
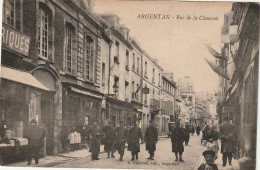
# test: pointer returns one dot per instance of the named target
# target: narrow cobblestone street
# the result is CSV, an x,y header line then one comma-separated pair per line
x,y
164,158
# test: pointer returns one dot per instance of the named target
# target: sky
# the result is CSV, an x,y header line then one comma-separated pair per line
x,y
175,43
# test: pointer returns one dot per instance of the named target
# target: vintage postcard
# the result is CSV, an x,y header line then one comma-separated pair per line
x,y
127,84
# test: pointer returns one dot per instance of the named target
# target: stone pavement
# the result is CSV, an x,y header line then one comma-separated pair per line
x,y
218,162
164,158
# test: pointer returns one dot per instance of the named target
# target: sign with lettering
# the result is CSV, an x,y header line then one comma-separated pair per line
x,y
15,40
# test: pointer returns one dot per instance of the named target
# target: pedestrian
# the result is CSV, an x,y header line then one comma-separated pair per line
x,y
94,136
198,130
227,137
187,135
64,138
177,139
77,140
209,165
121,139
109,139
151,138
212,142
135,134
35,135
71,138
192,130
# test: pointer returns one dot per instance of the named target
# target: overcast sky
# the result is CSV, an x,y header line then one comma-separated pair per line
x,y
175,43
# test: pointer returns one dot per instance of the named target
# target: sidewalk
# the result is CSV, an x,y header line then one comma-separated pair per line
x,y
218,162
50,160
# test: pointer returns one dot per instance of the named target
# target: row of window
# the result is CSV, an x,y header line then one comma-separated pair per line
x,y
167,87
85,52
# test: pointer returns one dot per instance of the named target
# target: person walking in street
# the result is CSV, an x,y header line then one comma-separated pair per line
x,y
198,130
177,138
151,138
227,136
35,135
64,139
192,130
187,135
121,139
135,134
109,139
94,136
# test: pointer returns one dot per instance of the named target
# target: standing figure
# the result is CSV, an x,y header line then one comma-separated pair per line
x,y
64,138
94,137
151,138
109,139
187,135
177,138
227,136
198,130
72,139
35,135
135,134
192,130
121,139
212,143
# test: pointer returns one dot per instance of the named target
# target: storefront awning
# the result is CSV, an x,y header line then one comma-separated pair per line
x,y
21,77
86,93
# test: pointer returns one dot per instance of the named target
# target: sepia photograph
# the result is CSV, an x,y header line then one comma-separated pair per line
x,y
129,84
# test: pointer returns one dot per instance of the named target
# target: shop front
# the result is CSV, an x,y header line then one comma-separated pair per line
x,y
20,102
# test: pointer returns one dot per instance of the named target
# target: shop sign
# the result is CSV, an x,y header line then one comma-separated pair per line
x,y
15,40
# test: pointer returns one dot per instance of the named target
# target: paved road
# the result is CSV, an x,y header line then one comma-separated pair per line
x,y
164,158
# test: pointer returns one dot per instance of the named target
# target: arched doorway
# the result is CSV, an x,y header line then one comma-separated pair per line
x,y
50,107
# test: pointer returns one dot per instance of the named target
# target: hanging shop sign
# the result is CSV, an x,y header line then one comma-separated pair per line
x,y
15,40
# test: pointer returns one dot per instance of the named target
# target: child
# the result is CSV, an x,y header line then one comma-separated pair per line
x,y
209,165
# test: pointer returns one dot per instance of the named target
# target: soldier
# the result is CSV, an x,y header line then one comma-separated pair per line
x,y
226,133
121,139
35,135
94,135
135,134
109,139
177,138
151,137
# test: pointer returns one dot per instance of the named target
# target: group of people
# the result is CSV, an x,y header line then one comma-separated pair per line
x,y
227,137
115,139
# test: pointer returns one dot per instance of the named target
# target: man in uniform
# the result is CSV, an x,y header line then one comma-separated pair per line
x,y
177,138
94,136
35,135
135,134
121,139
226,133
151,137
109,139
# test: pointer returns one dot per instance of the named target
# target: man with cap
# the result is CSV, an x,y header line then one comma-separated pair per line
x,y
121,139
177,139
135,134
151,137
109,139
209,165
94,136
35,135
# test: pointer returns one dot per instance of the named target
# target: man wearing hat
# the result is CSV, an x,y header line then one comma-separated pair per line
x,y
121,139
177,139
35,135
94,136
151,137
109,139
135,134
209,165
